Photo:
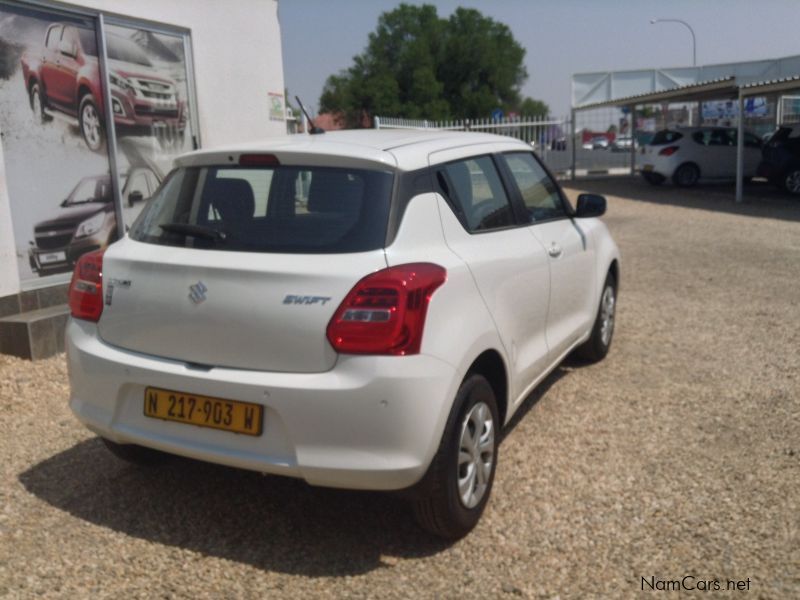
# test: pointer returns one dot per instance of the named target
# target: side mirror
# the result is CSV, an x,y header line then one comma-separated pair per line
x,y
590,205
64,203
134,197
68,48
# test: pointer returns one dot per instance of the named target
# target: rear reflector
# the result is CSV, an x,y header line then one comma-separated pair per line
x,y
86,287
385,312
258,160
669,151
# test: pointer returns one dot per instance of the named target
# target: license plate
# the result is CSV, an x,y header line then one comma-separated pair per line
x,y
647,168
52,257
204,411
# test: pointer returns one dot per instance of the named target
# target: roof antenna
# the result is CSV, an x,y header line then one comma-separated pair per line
x,y
314,129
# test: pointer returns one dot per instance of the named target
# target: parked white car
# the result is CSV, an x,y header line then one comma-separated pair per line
x,y
360,309
688,155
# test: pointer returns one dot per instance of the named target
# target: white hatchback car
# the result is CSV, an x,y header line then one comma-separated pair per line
x,y
688,155
361,309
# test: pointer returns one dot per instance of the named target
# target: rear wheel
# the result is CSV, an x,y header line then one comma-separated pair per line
x,y
459,480
686,175
791,182
37,104
598,344
138,455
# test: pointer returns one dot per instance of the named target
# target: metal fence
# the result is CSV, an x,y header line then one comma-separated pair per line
x,y
549,137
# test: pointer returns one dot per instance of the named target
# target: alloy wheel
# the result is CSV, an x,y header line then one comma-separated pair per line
x,y
607,309
793,182
475,455
90,123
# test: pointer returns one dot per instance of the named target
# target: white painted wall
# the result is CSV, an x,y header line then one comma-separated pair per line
x,y
237,62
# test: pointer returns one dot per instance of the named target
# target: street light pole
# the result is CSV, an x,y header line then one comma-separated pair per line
x,y
689,27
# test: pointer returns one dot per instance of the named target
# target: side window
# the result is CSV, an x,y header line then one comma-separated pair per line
x,y
539,192
702,137
720,137
751,141
53,37
475,189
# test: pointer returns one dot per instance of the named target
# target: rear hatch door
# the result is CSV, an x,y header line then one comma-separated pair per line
x,y
244,268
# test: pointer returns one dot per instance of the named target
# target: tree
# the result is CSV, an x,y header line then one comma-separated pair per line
x,y
419,66
533,108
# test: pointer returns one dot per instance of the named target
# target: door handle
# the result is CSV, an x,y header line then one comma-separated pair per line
x,y
554,250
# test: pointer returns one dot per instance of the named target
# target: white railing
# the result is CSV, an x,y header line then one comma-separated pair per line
x,y
547,135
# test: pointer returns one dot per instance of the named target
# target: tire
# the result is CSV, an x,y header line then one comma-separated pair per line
x,y
596,347
137,455
90,122
686,175
653,178
791,182
440,508
38,104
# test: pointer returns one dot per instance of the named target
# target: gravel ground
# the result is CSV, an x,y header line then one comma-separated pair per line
x,y
678,455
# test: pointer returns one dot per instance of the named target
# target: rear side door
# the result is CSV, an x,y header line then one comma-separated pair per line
x,y
509,267
570,252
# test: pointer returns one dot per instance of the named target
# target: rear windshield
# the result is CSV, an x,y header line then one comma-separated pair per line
x,y
287,209
665,137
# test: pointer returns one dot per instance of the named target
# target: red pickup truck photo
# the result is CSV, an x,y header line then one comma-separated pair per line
x,y
63,79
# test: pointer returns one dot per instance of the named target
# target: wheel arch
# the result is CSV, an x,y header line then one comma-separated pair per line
x,y
491,365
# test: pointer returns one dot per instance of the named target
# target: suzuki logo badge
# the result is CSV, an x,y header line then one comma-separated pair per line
x,y
197,292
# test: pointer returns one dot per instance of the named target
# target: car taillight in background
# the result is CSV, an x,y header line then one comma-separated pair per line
x,y
86,287
385,312
668,151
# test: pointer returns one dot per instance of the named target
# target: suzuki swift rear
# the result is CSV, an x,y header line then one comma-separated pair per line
x,y
311,307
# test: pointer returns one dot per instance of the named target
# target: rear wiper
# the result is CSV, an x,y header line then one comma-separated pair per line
x,y
201,231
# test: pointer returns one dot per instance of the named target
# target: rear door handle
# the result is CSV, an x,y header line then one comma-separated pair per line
x,y
554,250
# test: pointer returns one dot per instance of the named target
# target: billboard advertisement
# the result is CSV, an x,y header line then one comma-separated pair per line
x,y
55,140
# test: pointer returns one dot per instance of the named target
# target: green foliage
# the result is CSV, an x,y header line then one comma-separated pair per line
x,y
419,66
533,108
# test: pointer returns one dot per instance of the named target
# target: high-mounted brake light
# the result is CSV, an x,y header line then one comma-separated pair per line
x,y
258,160
669,151
385,312
86,287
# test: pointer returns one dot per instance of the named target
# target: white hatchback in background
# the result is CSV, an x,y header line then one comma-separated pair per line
x,y
359,309
688,155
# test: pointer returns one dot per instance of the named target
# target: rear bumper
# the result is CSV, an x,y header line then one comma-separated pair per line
x,y
372,422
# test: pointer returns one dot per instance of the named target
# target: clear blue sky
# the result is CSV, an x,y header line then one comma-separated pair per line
x,y
561,37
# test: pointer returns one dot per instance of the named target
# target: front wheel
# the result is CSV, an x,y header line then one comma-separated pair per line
x,y
599,342
91,124
791,182
459,480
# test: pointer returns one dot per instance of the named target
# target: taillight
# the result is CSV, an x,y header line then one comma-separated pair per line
x,y
669,151
86,287
385,312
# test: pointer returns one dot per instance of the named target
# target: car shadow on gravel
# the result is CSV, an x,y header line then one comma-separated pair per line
x,y
760,198
272,523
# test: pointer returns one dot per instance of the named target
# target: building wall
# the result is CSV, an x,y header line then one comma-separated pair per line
x,y
237,63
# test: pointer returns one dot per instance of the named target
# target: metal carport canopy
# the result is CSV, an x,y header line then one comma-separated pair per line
x,y
717,89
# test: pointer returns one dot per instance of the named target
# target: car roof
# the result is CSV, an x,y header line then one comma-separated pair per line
x,y
404,149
